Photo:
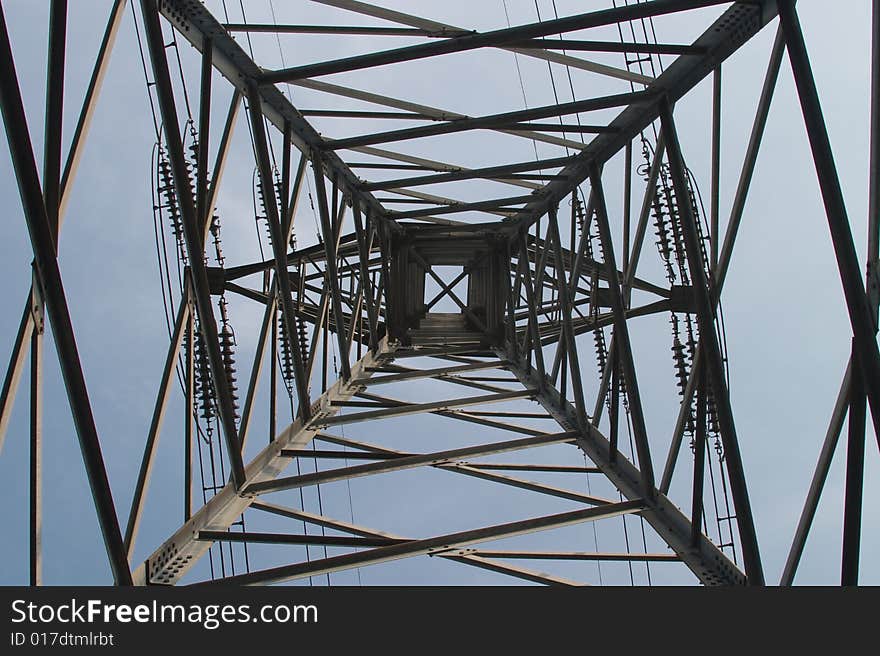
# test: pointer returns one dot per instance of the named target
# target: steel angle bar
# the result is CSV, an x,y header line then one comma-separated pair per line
x,y
530,486
279,247
494,121
80,132
622,344
860,313
712,351
330,247
193,236
491,172
704,559
288,538
724,258
434,113
432,373
143,480
16,366
407,462
435,544
330,29
268,328
176,555
732,29
460,555
576,555
35,545
511,570
569,23
43,244
418,408
195,23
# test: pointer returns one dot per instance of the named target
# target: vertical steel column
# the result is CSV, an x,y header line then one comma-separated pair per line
x,y
565,314
621,336
719,272
279,246
189,433
874,190
332,272
273,376
16,367
750,161
16,362
36,445
54,112
143,480
80,132
855,478
699,458
712,350
204,132
627,209
192,234
43,243
817,484
860,314
364,241
715,191
257,369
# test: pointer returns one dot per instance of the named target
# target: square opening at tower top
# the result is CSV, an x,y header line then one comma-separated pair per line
x,y
441,300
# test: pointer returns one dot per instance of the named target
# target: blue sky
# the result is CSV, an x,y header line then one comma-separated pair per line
x,y
787,328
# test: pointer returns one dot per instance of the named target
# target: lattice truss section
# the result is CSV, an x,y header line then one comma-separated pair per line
x,y
457,296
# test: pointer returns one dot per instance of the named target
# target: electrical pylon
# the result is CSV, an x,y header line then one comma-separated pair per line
x,y
500,324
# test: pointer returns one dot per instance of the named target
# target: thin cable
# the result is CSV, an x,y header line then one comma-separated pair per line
x,y
520,76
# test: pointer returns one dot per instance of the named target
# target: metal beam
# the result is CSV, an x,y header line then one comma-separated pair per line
x,y
35,545
450,30
54,111
43,243
435,544
433,406
279,247
192,234
330,245
578,555
494,121
705,560
712,350
719,272
405,461
860,313
181,323
817,484
176,555
733,28
854,481
195,24
496,38
16,364
434,113
622,345
286,538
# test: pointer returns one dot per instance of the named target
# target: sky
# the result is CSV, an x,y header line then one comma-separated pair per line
x,y
787,331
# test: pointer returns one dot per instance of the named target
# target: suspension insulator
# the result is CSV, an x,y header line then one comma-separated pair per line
x,y
168,201
303,340
227,349
204,386
287,365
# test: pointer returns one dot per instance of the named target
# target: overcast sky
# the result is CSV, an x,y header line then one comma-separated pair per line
x,y
787,329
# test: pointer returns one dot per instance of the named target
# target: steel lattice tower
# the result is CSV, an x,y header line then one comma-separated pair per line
x,y
485,317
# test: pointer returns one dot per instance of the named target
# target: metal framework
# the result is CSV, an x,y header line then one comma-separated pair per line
x,y
490,301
